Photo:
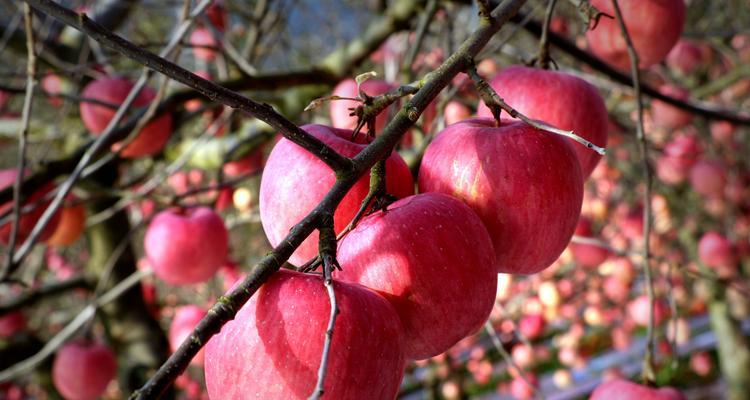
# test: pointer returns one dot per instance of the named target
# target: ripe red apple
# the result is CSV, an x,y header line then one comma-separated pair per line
x,y
668,116
456,111
640,308
716,251
723,131
185,248
71,226
82,370
248,164
517,179
654,27
11,323
340,109
687,56
204,44
559,99
272,348
680,154
186,318
587,255
150,140
52,84
701,363
620,389
520,389
709,177
28,218
616,290
217,14
295,181
424,254
531,326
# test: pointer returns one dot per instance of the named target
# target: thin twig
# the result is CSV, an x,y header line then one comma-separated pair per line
x,y
544,58
46,290
498,344
649,369
424,24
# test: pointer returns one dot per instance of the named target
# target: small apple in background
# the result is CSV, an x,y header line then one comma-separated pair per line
x,y
723,132
668,116
71,226
12,323
717,252
424,254
520,389
531,326
622,389
52,84
204,44
517,179
295,181
456,111
587,255
559,99
654,27
150,140
185,319
687,56
217,14
248,164
680,154
272,348
188,247
709,178
616,290
83,370
340,109
28,218
640,309
701,363
195,104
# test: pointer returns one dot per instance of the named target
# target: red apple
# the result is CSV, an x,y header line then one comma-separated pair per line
x,y
620,389
668,116
272,348
186,318
701,363
71,226
456,111
723,131
195,104
28,218
295,181
82,370
424,254
717,252
640,308
150,140
709,178
11,323
52,84
654,27
616,290
559,99
204,44
687,56
217,14
186,248
517,179
587,255
248,164
531,326
340,109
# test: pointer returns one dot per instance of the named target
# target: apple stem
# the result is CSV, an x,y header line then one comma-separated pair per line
x,y
496,103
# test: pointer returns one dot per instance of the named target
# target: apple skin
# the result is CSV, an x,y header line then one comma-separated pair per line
x,y
654,27
687,56
639,310
620,389
456,111
203,41
186,318
71,226
587,255
272,349
186,249
532,326
709,178
559,99
82,371
152,137
517,179
668,116
11,323
423,254
295,181
30,218
340,109
717,252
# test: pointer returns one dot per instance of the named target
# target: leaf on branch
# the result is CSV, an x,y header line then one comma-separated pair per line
x,y
322,100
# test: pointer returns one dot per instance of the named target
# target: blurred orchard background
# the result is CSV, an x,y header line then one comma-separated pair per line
x,y
580,321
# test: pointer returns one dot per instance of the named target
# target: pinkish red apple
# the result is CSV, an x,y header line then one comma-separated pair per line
x,y
82,370
340,109
185,319
668,116
204,44
717,252
620,389
28,218
709,178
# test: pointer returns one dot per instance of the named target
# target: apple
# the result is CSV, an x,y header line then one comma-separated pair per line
x,y
559,99
185,319
640,308
520,389
709,178
70,227
525,184
4,97
717,252
701,363
28,218
668,116
723,131
52,84
587,255
186,247
204,44
687,56
217,14
248,164
195,104
82,370
456,111
295,181
531,326
654,27
424,254
620,389
272,349
340,109
615,289
150,140
11,323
